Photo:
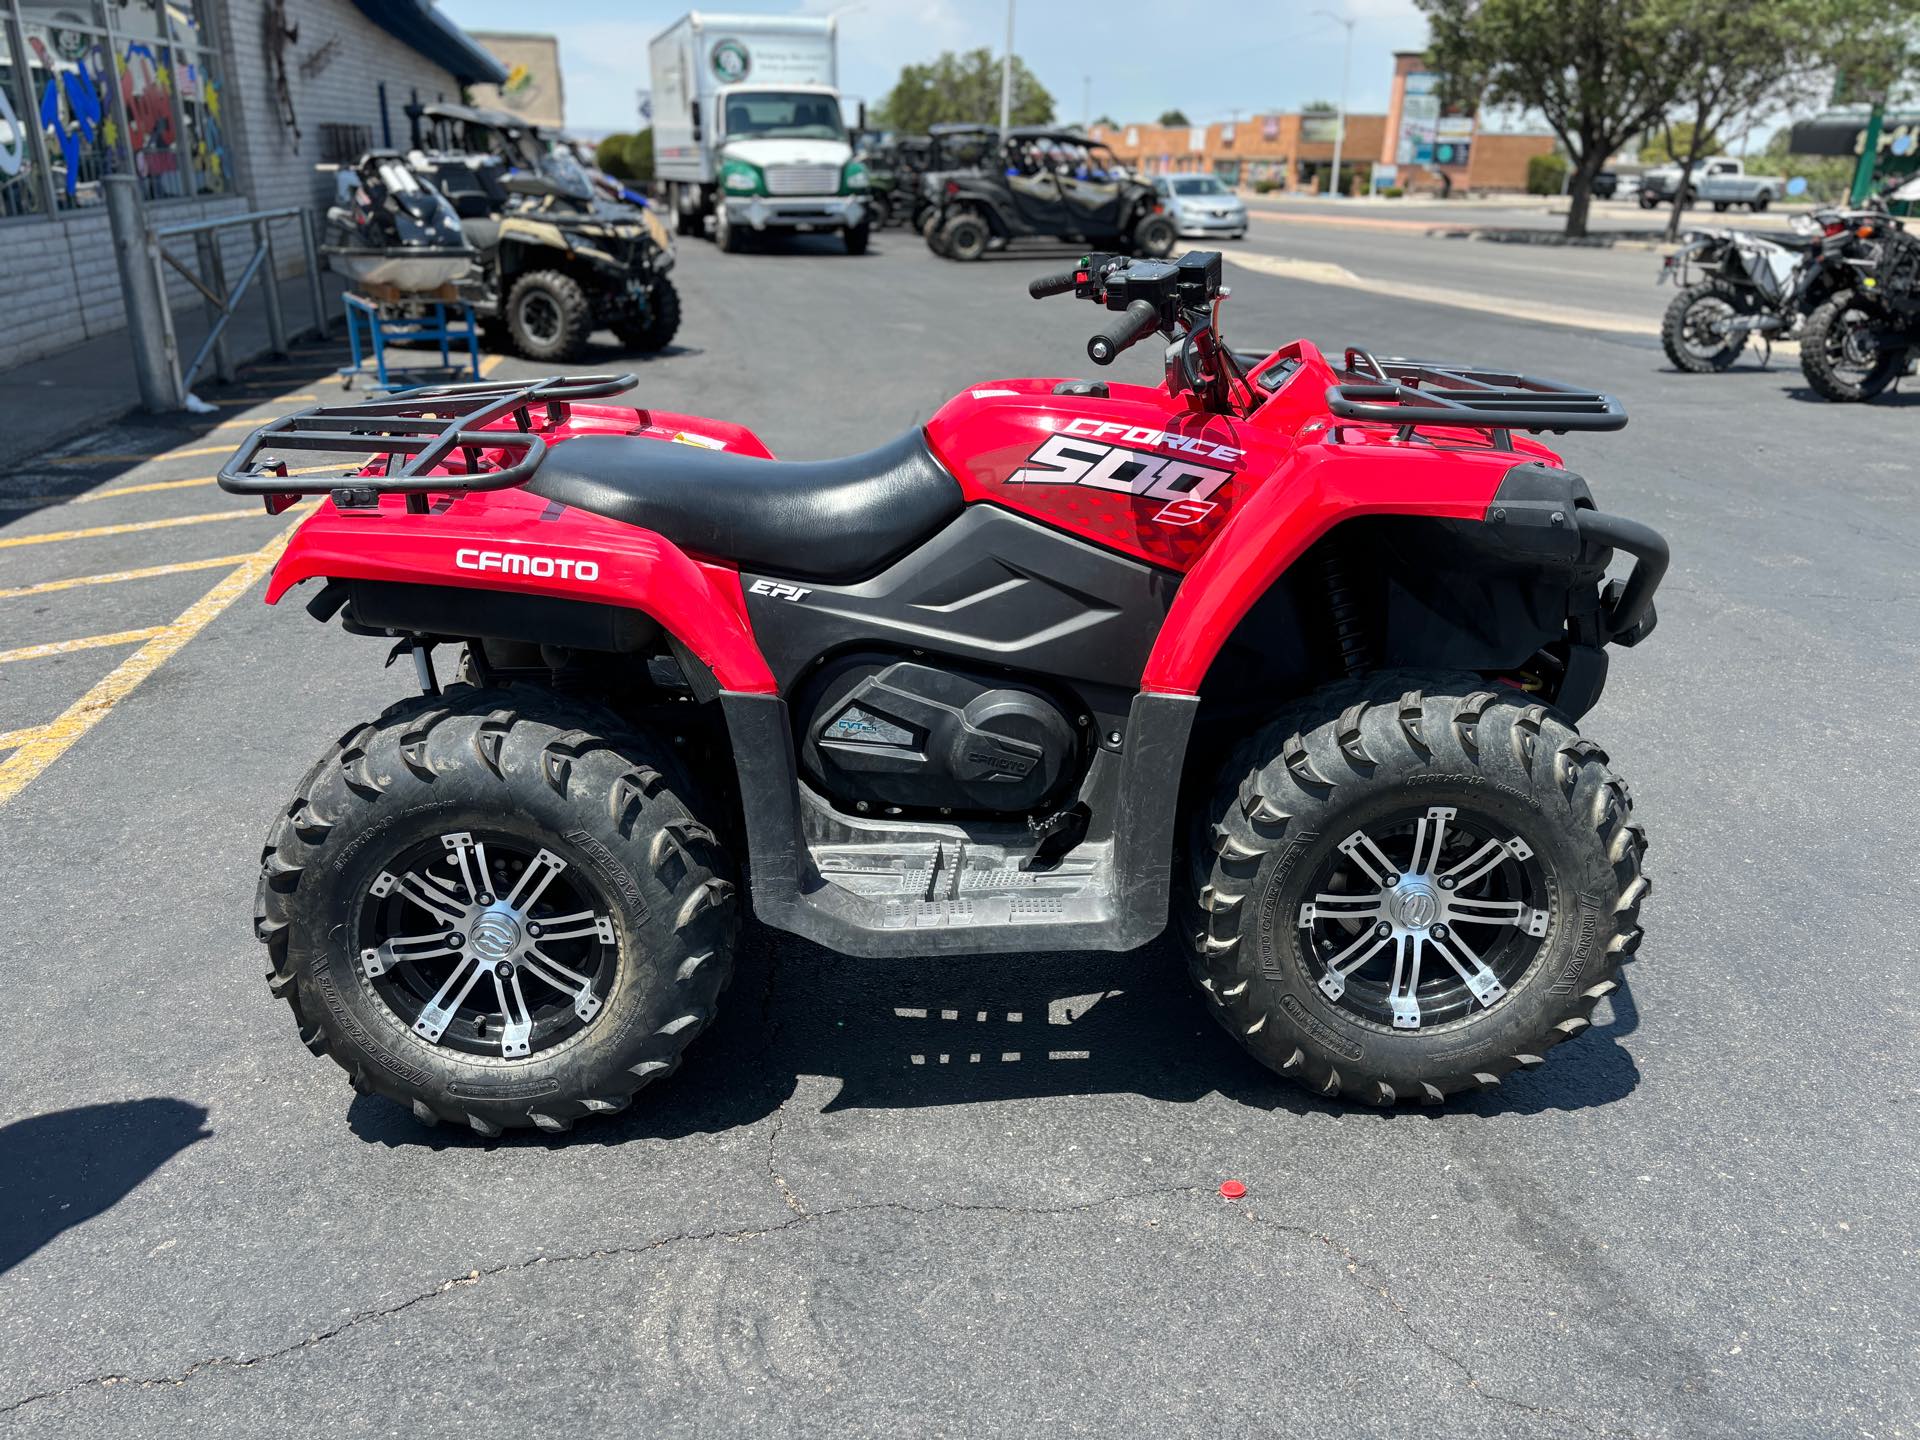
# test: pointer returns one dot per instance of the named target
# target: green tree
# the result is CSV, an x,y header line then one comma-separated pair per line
x,y
1319,107
611,155
1600,71
1667,144
638,152
1173,117
1108,122
961,88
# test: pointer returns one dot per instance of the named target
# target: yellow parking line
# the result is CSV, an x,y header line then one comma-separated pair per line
x,y
10,541
148,489
145,456
264,400
33,757
114,577
14,739
85,642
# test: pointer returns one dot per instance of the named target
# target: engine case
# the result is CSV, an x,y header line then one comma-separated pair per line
x,y
897,734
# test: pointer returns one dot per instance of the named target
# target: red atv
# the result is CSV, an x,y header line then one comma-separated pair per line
x,y
1305,641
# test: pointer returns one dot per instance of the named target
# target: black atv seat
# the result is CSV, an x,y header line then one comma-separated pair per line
x,y
810,519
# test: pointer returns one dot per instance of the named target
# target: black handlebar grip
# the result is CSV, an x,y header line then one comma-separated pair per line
x,y
1136,322
1053,284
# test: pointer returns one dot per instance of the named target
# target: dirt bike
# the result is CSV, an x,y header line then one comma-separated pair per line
x,y
1865,339
1288,647
1754,287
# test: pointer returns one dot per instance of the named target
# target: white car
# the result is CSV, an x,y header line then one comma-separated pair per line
x,y
1201,205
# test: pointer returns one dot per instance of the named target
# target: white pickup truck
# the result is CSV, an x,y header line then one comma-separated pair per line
x,y
1722,181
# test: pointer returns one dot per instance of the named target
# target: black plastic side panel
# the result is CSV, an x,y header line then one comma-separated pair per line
x,y
445,610
991,588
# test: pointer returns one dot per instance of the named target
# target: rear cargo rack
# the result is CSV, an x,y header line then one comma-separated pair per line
x,y
1415,393
427,425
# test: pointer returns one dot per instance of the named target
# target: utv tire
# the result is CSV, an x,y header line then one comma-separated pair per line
x,y
855,238
1155,237
1823,351
964,237
549,316
656,332
528,775
1359,764
1686,329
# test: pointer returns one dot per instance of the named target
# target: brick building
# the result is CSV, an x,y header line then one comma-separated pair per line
x,y
1424,148
214,106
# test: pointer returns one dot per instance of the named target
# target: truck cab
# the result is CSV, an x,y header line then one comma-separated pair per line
x,y
750,135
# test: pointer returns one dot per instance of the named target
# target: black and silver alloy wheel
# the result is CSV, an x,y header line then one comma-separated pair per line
x,y
1422,920
497,906
479,944
1412,885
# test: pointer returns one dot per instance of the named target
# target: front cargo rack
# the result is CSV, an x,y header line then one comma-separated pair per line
x,y
428,425
1415,393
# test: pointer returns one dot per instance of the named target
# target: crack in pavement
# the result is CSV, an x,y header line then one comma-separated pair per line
x,y
1374,1280
474,1277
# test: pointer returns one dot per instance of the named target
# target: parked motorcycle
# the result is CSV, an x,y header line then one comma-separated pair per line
x,y
1754,286
1865,338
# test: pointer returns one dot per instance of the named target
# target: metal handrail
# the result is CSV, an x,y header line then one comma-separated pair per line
x,y
164,382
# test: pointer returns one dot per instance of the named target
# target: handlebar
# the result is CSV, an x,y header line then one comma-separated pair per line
x,y
1053,284
1135,323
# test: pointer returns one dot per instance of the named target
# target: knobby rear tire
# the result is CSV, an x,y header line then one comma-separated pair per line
x,y
1817,362
567,776
1674,323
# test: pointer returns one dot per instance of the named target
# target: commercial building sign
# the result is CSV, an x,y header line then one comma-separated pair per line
x,y
532,88
1419,121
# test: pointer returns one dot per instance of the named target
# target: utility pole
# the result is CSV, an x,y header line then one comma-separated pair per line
x,y
1340,120
1006,77
1086,102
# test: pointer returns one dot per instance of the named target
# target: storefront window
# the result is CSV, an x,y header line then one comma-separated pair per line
x,y
20,188
70,83
114,85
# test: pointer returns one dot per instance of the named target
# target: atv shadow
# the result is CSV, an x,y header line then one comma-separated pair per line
x,y
917,1033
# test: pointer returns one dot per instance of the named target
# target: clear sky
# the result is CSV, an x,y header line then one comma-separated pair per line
x,y
1204,57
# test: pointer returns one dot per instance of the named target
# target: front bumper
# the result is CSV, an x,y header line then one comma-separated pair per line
x,y
1228,224
796,212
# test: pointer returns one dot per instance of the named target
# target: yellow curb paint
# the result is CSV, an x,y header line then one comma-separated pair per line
x,y
85,642
114,577
11,541
54,740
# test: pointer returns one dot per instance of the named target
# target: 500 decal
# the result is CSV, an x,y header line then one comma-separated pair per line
x,y
1186,487
512,563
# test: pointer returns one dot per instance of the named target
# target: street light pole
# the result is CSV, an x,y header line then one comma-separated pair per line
x,y
1006,77
1340,120
1086,102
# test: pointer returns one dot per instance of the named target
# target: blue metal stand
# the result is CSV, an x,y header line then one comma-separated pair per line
x,y
436,323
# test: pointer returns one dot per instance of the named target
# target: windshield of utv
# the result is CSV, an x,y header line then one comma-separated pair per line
x,y
776,115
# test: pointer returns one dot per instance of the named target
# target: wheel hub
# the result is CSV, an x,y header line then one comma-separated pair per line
x,y
504,964
1424,920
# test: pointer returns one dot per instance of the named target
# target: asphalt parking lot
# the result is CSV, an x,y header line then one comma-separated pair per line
x,y
980,1197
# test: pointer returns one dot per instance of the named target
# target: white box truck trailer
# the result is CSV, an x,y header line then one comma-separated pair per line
x,y
747,129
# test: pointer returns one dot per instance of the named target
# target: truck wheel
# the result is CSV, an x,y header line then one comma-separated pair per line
x,y
1647,202
1154,237
1720,207
1694,330
855,238
1838,356
662,321
677,214
1761,201
498,909
549,316
1403,895
964,237
725,233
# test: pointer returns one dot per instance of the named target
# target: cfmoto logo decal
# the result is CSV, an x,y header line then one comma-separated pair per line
x,y
514,562
730,61
1186,487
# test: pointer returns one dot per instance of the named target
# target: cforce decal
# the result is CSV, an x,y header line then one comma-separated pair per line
x,y
1074,457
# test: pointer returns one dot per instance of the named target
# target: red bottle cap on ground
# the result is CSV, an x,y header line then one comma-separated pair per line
x,y
1232,1189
